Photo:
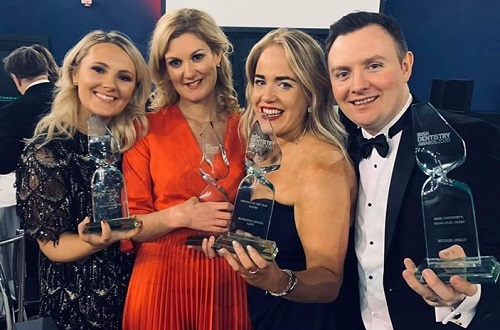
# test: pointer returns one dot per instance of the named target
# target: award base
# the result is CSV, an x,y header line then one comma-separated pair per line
x,y
267,249
474,269
197,240
115,224
194,240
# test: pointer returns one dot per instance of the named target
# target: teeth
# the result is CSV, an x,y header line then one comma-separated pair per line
x,y
365,101
194,83
104,97
272,112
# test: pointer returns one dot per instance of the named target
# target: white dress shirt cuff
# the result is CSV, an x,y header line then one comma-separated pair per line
x,y
463,314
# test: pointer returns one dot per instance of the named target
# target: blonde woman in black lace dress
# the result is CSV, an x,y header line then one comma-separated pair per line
x,y
83,277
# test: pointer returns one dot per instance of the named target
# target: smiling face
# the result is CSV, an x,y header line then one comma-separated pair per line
x,y
192,68
105,78
368,79
278,93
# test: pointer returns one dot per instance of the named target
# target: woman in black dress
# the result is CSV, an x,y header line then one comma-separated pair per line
x,y
83,277
315,187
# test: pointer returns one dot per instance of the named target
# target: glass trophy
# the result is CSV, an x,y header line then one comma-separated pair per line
x,y
255,198
447,204
109,198
214,166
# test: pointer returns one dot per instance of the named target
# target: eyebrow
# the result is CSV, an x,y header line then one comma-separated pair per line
x,y
193,53
101,63
374,58
107,66
198,50
278,78
364,62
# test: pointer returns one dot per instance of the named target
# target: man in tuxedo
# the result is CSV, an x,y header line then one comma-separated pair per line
x,y
370,65
28,68
29,71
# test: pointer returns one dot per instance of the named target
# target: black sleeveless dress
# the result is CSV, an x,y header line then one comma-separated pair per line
x,y
269,312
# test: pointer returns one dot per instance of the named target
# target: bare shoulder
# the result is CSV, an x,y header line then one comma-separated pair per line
x,y
326,175
312,170
322,158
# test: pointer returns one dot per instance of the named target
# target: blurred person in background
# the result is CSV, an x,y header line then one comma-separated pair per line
x,y
34,72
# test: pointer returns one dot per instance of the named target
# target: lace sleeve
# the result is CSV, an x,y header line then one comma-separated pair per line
x,y
43,194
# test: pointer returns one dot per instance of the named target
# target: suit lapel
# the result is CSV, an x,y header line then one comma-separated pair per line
x,y
352,145
403,168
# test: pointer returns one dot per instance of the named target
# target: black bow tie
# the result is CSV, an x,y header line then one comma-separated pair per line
x,y
379,142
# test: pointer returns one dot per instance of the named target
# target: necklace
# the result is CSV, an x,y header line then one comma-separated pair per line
x,y
199,122
198,126
301,135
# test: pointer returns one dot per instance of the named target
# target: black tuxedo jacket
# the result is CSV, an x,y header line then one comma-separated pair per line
x,y
17,121
404,232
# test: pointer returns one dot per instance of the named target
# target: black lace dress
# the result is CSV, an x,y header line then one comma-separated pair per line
x,y
53,191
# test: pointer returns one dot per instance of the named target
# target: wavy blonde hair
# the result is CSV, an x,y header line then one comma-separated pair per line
x,y
202,25
61,122
305,57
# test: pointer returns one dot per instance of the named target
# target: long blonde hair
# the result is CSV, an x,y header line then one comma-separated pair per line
x,y
62,120
305,57
171,26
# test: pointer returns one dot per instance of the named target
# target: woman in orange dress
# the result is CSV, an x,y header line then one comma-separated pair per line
x,y
174,286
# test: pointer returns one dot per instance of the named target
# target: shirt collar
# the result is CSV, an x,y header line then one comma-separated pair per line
x,y
41,81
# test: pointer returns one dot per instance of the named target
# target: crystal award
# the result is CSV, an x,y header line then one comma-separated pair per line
x,y
254,202
109,197
214,166
447,204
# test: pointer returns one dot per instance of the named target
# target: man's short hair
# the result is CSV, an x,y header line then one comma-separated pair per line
x,y
25,62
356,21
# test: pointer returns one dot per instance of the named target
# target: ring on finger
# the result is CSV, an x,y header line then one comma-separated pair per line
x,y
254,271
435,300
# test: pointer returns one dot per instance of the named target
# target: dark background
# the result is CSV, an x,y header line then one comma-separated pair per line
x,y
8,91
453,39
62,23
243,39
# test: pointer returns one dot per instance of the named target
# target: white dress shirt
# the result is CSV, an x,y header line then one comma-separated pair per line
x,y
375,176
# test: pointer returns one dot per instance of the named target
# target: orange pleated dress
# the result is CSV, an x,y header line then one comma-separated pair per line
x,y
173,287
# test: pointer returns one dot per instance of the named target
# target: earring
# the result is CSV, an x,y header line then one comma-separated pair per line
x,y
309,109
218,65
75,82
